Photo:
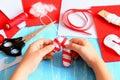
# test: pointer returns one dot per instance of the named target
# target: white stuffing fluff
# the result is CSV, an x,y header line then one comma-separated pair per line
x,y
39,9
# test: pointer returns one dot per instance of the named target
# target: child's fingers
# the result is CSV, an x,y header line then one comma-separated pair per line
x,y
74,47
80,41
41,42
47,49
49,55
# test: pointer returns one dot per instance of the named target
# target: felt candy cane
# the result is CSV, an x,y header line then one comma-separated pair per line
x,y
66,53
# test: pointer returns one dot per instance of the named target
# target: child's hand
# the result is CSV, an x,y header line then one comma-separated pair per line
x,y
44,47
38,50
84,48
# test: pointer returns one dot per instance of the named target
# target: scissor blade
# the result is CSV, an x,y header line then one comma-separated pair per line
x,y
4,66
30,36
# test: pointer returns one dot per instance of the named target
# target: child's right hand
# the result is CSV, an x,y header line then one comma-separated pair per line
x,y
85,49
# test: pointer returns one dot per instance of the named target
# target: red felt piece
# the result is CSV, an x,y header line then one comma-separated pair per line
x,y
33,21
104,28
8,32
3,20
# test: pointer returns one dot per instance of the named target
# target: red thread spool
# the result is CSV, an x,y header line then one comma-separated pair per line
x,y
17,20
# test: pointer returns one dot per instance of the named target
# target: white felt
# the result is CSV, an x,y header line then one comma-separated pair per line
x,y
111,42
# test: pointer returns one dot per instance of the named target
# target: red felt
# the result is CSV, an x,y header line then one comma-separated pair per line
x,y
104,28
8,32
32,21
3,20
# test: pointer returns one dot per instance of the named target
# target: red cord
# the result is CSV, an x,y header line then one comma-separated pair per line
x,y
69,25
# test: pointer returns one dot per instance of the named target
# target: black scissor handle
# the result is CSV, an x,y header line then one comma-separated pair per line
x,y
12,47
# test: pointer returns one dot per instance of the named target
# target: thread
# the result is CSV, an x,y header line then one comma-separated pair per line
x,y
17,20
110,17
69,25
60,42
114,19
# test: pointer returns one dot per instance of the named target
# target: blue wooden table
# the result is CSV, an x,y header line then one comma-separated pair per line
x,y
53,69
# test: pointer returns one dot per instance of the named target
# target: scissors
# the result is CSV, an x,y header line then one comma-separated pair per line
x,y
13,47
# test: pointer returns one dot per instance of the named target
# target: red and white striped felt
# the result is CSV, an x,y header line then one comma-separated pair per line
x,y
59,43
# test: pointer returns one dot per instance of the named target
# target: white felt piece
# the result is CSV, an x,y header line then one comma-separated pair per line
x,y
66,42
112,41
66,56
3,33
66,64
67,50
56,45
60,39
21,25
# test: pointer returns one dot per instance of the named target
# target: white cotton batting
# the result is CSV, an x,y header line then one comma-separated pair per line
x,y
39,9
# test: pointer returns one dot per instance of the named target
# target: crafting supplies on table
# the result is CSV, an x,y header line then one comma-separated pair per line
x,y
53,67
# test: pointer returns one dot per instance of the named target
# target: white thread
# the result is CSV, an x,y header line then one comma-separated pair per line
x,y
47,17
112,18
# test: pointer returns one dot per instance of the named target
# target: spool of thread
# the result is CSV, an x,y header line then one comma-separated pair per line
x,y
17,20
110,17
